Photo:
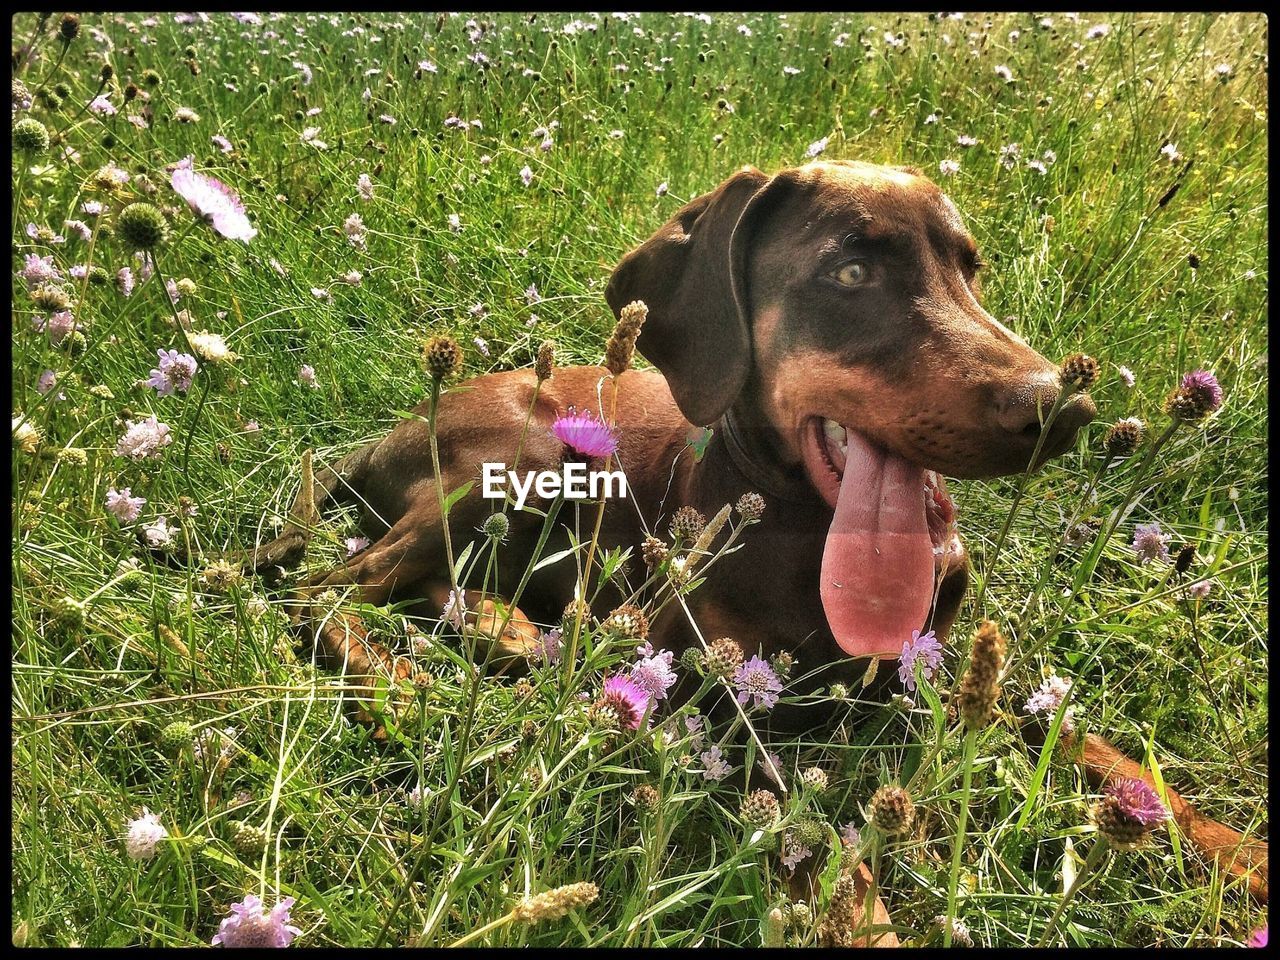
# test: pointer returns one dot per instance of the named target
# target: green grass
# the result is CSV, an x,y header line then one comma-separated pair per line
x,y
1095,254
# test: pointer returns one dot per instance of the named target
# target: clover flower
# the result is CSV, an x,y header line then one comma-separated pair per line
x,y
213,200
923,647
756,678
585,433
249,925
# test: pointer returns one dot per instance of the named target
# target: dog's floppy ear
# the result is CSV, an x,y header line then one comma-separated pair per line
x,y
690,274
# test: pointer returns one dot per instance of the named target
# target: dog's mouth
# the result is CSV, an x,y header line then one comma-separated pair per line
x,y
890,538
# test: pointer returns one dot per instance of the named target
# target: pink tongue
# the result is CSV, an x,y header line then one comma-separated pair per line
x,y
877,568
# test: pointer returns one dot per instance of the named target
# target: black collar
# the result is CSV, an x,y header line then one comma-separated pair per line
x,y
766,480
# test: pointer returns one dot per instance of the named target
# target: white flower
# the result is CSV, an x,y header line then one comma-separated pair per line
x,y
455,223
213,200
1170,150
817,147
1004,73
1098,30
143,439
143,835
965,140
364,187
158,533
1127,376
211,347
948,167
526,175
790,71
662,189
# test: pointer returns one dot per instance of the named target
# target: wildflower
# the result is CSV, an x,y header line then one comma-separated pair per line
x,y
662,189
311,137
124,281
621,705
814,778
960,935
714,766
550,643
920,647
455,223
250,925
817,147
627,621
110,178
221,142
143,835
526,175
759,809
948,167
850,835
123,506
102,106
79,228
1123,437
771,766
211,347
482,345
496,526
686,524
1048,699
443,356
212,743
1009,154
1195,398
965,140
1201,589
1004,73
248,838
755,678
892,811
1098,30
307,376
1223,71
158,534
980,687
141,226
186,115
556,903
175,372
364,187
143,439
1126,375
1150,543
585,434
1128,811
25,435
213,200
793,854
48,380
654,674
724,657
790,71
220,576
1259,937
750,507
455,609
1037,166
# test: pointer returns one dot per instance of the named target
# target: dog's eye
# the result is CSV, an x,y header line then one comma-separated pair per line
x,y
852,274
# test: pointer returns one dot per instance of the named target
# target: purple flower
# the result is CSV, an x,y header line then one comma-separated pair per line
x,y
1203,386
174,373
693,725
364,187
1048,699
455,609
307,376
103,106
628,699
58,326
1137,801
221,142
585,433
1149,543
771,766
793,854
714,766
756,678
213,200
920,647
850,834
48,380
526,175
251,926
125,507
124,281
144,439
37,269
356,544
1200,590
1259,937
654,674
550,644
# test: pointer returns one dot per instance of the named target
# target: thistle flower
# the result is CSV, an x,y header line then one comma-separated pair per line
x,y
686,525
724,657
1078,370
143,835
923,647
622,342
892,811
1123,437
1195,398
1150,543
443,357
621,705
141,226
212,200
750,507
556,903
585,433
755,678
980,688
759,809
1128,811
544,365
249,925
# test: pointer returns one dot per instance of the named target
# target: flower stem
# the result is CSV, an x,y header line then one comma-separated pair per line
x,y
1096,853
970,746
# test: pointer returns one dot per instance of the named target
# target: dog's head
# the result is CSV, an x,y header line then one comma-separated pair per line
x,y
834,308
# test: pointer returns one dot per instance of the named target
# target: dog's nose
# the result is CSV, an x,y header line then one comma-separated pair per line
x,y
1021,410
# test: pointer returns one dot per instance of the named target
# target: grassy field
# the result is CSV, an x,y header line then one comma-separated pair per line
x,y
1113,170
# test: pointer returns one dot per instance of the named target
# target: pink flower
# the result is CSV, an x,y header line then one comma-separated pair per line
x,y
1204,387
654,674
356,544
455,609
124,281
364,187
585,433
1198,590
919,647
48,380
175,372
755,678
213,200
1137,801
1259,937
126,508
221,142
102,106
249,925
1150,542
628,699
307,376
37,269
144,439
143,835
57,326
714,766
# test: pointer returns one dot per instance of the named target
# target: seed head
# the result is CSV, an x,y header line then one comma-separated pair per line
x,y
691,658
68,614
545,363
686,525
556,903
654,552
443,357
573,611
51,297
496,527
750,507
151,78
1123,438
220,576
809,831
141,226
814,778
622,343
724,657
1079,370
1195,398
980,688
523,689
646,798
176,735
627,621
842,913
839,691
248,838
69,27
760,809
30,136
783,663
800,915
105,74
892,811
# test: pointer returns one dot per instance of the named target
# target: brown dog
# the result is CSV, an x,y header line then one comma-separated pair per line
x,y
826,322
